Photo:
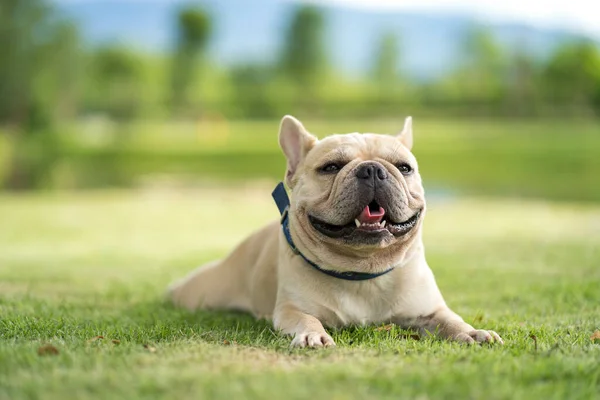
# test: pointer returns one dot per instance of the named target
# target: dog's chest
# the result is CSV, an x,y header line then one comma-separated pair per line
x,y
364,306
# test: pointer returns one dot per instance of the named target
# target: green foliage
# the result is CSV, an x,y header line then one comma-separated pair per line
x,y
38,51
251,91
82,265
38,84
390,90
193,32
303,57
483,69
572,76
194,28
386,67
33,159
523,84
481,157
44,71
116,83
45,77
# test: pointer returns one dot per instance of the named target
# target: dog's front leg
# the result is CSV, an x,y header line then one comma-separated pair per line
x,y
449,325
307,330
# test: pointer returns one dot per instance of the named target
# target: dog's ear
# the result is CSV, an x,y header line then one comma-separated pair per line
x,y
295,141
406,136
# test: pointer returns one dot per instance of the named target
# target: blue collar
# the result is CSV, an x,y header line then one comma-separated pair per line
x,y
283,203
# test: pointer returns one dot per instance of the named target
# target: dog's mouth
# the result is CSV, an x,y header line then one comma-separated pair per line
x,y
371,221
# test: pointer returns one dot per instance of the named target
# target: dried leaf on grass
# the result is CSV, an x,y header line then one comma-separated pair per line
x,y
150,348
384,327
47,350
115,341
595,337
389,327
532,336
95,338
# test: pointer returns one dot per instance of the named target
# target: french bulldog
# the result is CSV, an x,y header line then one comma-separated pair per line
x,y
348,249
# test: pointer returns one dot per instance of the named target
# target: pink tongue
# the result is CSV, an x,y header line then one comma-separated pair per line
x,y
370,217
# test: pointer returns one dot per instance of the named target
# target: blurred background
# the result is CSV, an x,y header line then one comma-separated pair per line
x,y
101,94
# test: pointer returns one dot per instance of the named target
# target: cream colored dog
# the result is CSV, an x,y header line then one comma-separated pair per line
x,y
349,251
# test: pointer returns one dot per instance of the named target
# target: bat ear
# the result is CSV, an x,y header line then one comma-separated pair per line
x,y
406,136
295,141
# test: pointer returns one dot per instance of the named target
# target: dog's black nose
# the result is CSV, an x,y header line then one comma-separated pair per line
x,y
374,171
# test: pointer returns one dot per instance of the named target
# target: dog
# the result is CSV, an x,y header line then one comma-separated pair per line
x,y
347,250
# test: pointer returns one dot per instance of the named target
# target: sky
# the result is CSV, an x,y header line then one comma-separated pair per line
x,y
582,16
578,16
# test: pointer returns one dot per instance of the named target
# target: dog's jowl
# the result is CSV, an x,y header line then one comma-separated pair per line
x,y
346,250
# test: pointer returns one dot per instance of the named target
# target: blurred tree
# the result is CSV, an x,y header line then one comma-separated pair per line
x,y
193,33
386,72
251,91
572,76
385,69
65,78
482,74
35,46
523,82
303,58
116,83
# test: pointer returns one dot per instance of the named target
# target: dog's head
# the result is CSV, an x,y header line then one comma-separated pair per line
x,y
357,200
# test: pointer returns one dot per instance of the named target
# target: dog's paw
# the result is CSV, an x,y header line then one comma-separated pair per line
x,y
312,339
479,336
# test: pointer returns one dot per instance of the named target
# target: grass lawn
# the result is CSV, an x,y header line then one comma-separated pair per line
x,y
74,267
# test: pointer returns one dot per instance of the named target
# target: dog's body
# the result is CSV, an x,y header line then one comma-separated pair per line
x,y
357,206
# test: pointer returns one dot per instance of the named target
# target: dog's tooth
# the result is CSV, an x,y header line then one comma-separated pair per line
x,y
357,222
383,223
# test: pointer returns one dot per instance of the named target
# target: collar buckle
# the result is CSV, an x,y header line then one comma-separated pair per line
x,y
284,214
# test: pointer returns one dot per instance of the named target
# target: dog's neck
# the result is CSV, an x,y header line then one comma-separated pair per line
x,y
283,203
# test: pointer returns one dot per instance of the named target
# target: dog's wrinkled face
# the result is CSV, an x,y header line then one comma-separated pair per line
x,y
353,192
360,188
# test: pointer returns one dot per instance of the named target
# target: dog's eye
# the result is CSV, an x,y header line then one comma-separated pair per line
x,y
404,169
330,168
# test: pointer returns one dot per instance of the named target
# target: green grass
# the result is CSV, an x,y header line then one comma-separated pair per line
x,y
76,266
555,159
